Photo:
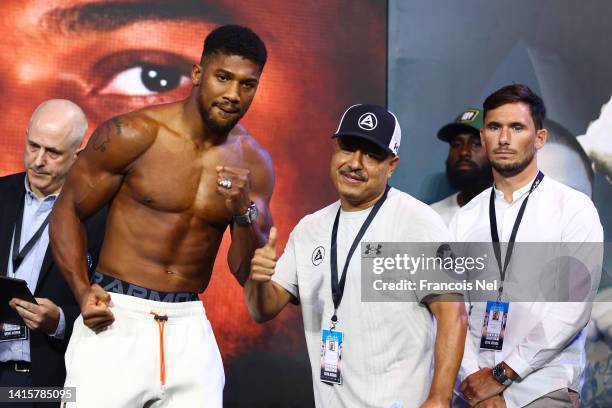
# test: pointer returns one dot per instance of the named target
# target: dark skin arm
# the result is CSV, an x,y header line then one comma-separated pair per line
x,y
451,317
92,182
254,184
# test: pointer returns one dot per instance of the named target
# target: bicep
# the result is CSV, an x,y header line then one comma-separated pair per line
x,y
262,178
262,186
88,189
99,170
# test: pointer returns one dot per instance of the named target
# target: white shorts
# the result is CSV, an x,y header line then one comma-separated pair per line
x,y
126,365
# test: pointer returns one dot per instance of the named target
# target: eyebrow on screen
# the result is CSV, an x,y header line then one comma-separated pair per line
x,y
109,16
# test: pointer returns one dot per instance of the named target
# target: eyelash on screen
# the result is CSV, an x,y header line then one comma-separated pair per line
x,y
146,79
141,73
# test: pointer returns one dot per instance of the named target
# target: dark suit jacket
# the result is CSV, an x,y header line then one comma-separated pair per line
x,y
47,353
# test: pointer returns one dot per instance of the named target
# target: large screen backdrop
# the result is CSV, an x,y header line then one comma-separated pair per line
x,y
323,57
447,56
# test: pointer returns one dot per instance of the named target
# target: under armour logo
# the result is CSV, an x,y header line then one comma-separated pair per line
x,y
372,250
367,121
317,255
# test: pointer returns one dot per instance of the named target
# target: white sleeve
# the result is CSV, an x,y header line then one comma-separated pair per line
x,y
285,273
549,337
563,320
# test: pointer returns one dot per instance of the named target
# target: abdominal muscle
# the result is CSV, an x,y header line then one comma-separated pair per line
x,y
163,251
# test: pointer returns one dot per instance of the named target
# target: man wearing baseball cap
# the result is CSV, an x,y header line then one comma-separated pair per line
x,y
362,354
467,168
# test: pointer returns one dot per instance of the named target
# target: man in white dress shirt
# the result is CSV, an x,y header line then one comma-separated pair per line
x,y
543,356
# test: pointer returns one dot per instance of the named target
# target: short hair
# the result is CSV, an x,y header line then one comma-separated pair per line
x,y
235,40
516,93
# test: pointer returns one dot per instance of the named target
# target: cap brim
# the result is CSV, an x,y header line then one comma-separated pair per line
x,y
447,132
368,138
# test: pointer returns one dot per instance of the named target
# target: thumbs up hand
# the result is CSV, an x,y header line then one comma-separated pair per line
x,y
264,259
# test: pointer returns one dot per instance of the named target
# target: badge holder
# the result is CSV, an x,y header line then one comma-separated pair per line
x,y
331,353
494,325
11,332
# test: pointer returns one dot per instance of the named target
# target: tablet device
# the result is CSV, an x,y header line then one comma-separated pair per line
x,y
12,288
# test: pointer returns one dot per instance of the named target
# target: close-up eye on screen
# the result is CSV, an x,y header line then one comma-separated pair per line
x,y
137,73
116,57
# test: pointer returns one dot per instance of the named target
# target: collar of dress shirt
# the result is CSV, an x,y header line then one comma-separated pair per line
x,y
517,194
31,196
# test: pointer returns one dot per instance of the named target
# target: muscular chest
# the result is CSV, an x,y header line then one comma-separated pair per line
x,y
173,176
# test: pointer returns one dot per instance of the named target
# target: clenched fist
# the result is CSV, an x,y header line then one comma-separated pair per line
x,y
95,309
264,260
234,184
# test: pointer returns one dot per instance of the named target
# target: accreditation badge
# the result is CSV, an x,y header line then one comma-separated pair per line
x,y
494,326
10,332
331,356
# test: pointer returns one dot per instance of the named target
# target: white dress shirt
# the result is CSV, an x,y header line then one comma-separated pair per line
x,y
544,341
447,207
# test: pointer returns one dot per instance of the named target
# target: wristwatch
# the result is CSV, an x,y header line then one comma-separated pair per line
x,y
499,373
248,217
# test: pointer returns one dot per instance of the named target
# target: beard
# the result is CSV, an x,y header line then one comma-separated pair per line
x,y
512,169
215,126
473,180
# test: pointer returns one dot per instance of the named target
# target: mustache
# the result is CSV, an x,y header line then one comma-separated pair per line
x,y
358,174
227,107
504,150
471,162
38,171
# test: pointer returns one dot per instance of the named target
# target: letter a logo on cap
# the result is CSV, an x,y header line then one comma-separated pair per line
x,y
367,121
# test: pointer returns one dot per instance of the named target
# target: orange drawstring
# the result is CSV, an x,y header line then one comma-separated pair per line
x,y
161,321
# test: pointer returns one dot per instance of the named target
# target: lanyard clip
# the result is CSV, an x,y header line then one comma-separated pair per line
x,y
334,321
499,295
